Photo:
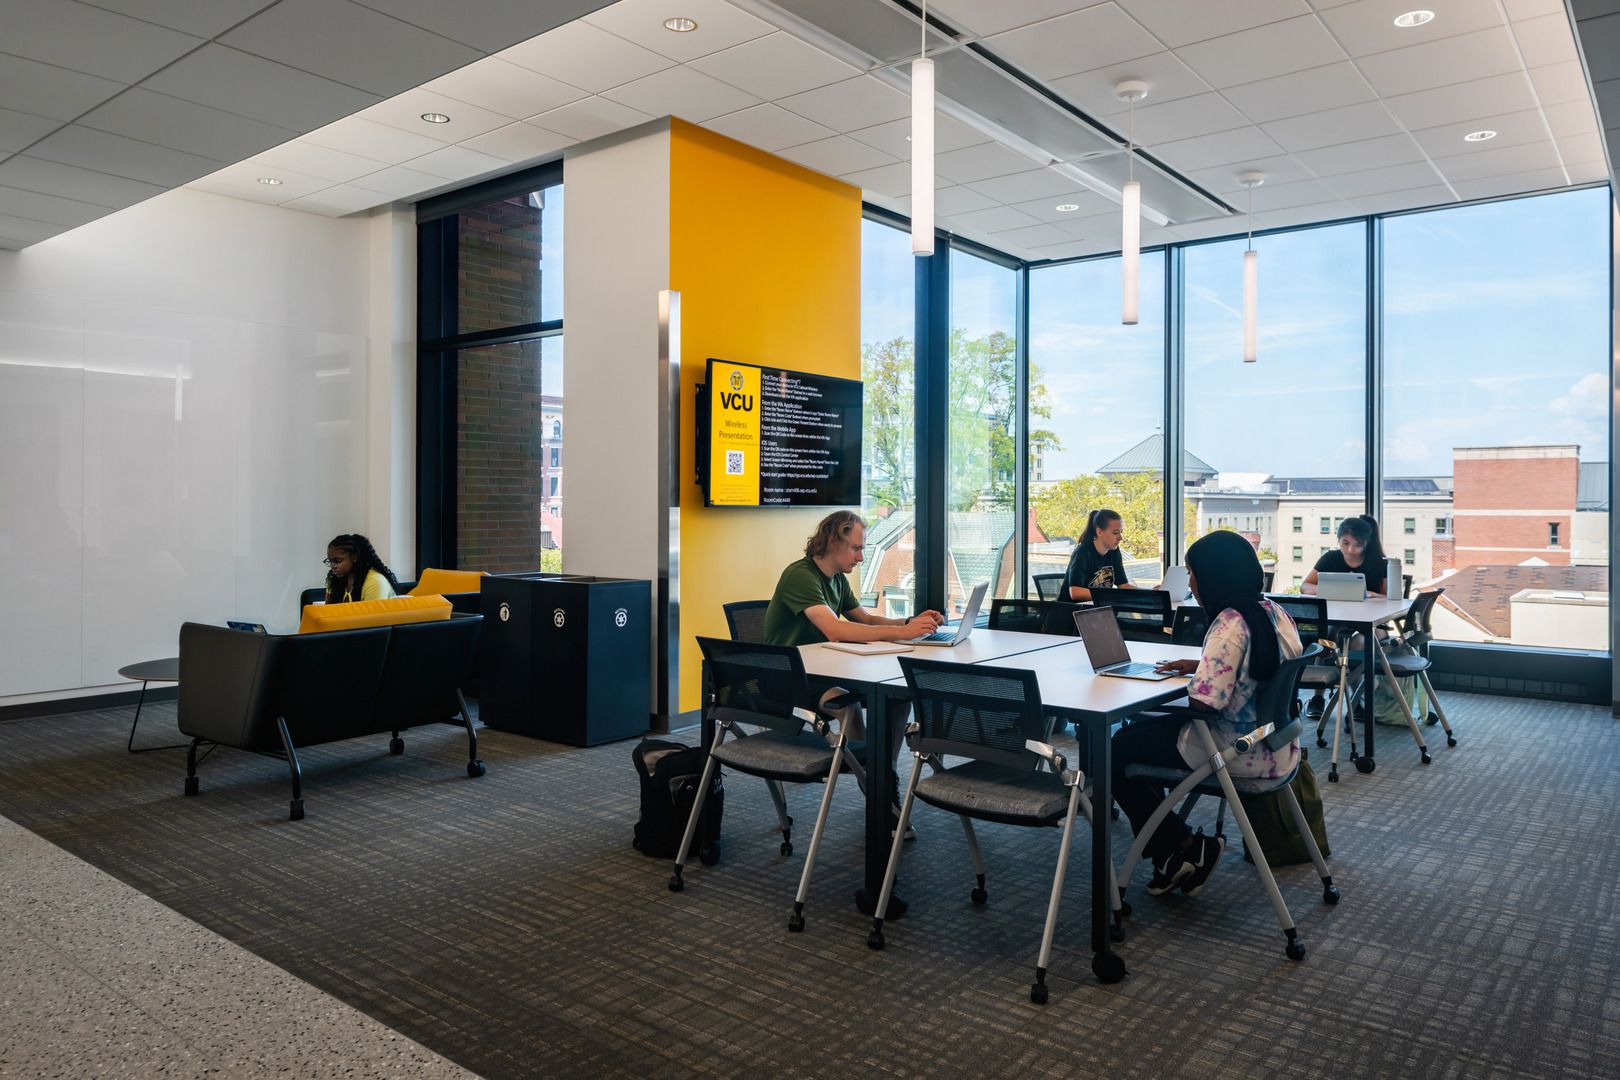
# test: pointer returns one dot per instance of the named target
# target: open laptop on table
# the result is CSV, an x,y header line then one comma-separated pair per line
x,y
1341,586
951,638
1105,646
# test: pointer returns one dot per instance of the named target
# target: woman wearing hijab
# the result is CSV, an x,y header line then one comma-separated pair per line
x,y
1248,637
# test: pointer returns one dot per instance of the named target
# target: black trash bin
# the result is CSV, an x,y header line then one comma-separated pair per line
x,y
567,658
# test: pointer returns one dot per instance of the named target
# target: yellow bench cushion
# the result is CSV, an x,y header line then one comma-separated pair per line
x,y
321,618
438,582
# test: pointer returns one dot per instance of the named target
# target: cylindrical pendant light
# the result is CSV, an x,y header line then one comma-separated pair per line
x,y
922,146
1130,239
1251,276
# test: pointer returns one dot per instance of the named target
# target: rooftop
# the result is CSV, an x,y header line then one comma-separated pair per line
x,y
1147,456
1483,595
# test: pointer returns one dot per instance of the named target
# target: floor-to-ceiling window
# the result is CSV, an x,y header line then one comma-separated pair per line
x,y
1276,449
982,430
888,457
1098,440
1496,415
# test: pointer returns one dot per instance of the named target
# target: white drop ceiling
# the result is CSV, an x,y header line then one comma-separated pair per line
x,y
106,103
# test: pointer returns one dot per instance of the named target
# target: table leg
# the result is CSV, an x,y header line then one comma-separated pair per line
x,y
886,710
130,746
705,719
1105,963
1369,681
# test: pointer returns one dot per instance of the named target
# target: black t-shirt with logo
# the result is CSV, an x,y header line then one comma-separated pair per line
x,y
1333,562
1089,570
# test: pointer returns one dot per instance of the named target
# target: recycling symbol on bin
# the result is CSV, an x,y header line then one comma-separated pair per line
x,y
558,617
620,617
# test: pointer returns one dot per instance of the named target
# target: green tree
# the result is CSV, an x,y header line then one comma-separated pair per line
x,y
1062,508
888,369
551,560
983,419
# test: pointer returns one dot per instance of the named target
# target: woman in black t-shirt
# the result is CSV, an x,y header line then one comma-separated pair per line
x,y
1096,562
1360,552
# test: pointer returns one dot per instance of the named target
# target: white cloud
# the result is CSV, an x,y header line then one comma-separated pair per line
x,y
1588,398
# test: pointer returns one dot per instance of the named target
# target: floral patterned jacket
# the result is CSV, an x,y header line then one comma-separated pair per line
x,y
1222,682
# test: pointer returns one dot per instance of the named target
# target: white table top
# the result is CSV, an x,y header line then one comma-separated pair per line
x,y
823,663
1371,611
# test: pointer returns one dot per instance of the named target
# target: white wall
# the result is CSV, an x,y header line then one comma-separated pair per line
x,y
183,426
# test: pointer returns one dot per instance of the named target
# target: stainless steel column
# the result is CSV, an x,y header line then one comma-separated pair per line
x,y
667,618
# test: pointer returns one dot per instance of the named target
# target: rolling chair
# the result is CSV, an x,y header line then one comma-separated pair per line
x,y
764,686
1415,633
1188,626
1277,727
993,718
745,619
1049,586
1033,616
1143,614
1334,675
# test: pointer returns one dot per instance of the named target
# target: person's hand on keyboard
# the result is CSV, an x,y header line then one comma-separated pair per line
x,y
922,625
1176,667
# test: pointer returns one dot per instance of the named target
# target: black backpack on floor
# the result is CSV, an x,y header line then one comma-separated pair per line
x,y
670,773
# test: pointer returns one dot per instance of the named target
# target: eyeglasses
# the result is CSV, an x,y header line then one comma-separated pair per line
x,y
335,563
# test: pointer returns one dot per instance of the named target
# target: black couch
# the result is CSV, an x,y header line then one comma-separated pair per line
x,y
272,693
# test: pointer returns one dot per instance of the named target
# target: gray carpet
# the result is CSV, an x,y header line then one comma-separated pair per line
x,y
506,922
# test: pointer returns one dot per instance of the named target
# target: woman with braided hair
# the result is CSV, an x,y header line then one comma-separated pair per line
x,y
356,572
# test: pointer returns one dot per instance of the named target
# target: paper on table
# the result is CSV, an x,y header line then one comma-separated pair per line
x,y
868,648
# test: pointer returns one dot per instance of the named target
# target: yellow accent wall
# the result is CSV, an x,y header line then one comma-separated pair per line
x,y
767,258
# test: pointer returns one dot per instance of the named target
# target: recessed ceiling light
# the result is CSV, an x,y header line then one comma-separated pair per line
x,y
680,24
1413,18
1479,136
1067,208
272,181
435,118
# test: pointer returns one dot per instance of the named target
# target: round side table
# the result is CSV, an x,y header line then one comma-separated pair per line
x,y
150,671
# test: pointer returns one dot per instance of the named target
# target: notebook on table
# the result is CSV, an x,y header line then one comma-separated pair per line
x,y
1106,648
869,648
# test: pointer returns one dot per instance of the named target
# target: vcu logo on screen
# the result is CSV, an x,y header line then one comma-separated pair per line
x,y
735,398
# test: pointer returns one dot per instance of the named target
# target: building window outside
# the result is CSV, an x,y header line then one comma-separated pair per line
x,y
1298,581
556,456
1409,526
1552,534
554,481
883,582
1327,525
556,429
1299,524
1442,526
1299,553
1409,557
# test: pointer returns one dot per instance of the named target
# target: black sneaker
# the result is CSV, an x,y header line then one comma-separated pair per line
x,y
1313,710
1169,874
1200,861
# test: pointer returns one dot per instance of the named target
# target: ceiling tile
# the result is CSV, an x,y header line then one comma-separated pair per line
x,y
338,201
1571,118
1556,84
1462,101
71,182
586,56
836,156
20,232
104,152
458,163
1222,148
486,25
992,219
349,44
1514,129
960,200
1360,156
520,142
1263,52
680,91
1349,124
1501,161
719,26
1547,40
768,128
846,106
1180,119
204,18
74,35
1529,9
1368,26
1031,236
774,67
1442,62
1024,186
1278,170
1356,185
43,90
17,130
252,86
894,137
1517,184
980,163
1181,22
1302,215
1075,249
241,181
369,139
503,87
1082,41
1586,172
1579,149
184,125
1331,86
1208,230
891,180
402,182
590,118
405,111
1167,78
1269,197
51,209
1088,202
981,17
311,159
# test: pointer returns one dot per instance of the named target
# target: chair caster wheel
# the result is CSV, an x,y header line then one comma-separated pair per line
x,y
396,746
191,785
1108,967
796,923
1365,765
979,897
1296,949
675,883
1451,740
297,811
787,848
1330,894
476,769
1037,993
874,940
1321,743
1426,758
709,855
1333,775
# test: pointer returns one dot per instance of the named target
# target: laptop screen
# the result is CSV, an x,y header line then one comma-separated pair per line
x,y
1105,645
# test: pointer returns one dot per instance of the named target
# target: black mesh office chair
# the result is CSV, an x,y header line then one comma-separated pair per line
x,y
992,717
1143,614
1334,675
1277,727
745,619
1033,616
1407,656
1188,626
764,687
1267,578
1049,586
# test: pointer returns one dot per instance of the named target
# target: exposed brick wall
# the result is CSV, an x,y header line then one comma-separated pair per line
x,y
1444,557
1536,484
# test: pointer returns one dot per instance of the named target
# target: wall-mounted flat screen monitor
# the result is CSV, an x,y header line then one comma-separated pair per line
x,y
770,437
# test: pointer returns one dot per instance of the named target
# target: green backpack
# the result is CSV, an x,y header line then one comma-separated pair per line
x,y
1274,825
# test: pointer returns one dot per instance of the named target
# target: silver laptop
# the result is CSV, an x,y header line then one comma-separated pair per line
x,y
949,637
1341,586
1105,646
1175,583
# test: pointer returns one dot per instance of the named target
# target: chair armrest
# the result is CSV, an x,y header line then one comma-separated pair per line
x,y
1246,742
843,701
816,720
1056,761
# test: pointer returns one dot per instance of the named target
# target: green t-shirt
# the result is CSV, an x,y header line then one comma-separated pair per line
x,y
801,586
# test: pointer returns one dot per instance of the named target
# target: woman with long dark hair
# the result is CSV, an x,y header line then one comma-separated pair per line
x,y
356,572
1248,638
1097,562
1360,552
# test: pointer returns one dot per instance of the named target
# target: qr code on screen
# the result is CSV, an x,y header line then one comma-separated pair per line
x,y
734,462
